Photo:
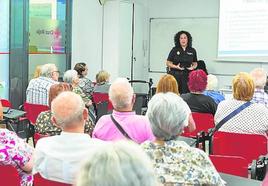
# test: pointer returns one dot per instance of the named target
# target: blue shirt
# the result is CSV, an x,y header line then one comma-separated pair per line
x,y
217,96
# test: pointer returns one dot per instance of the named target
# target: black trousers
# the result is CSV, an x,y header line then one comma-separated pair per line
x,y
181,77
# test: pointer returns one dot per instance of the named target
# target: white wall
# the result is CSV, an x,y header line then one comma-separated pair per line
x,y
112,52
202,8
87,35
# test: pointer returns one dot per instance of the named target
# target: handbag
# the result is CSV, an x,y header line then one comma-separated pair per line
x,y
120,128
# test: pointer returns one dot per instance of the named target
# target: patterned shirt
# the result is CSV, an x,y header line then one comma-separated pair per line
x,y
86,99
86,85
38,90
176,163
260,96
80,92
45,126
251,120
16,152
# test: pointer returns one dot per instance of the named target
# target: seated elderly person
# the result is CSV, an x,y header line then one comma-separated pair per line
x,y
259,76
168,83
84,83
44,124
136,127
119,164
175,162
38,88
196,100
212,91
58,157
71,77
253,119
102,79
16,152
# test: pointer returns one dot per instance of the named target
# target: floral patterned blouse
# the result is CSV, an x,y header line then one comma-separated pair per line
x,y
16,152
80,92
87,86
45,126
176,163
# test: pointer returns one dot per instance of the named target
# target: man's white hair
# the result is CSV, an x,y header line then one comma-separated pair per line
x,y
69,76
121,93
117,164
212,82
47,69
259,76
168,115
67,109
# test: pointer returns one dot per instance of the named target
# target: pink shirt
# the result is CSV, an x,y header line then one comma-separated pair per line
x,y
136,126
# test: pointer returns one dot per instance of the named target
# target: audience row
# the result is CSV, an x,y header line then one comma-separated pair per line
x,y
71,156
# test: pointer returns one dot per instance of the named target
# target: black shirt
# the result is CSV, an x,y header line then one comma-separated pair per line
x,y
184,57
200,103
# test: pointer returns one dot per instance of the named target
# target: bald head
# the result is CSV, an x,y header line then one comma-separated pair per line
x,y
121,94
68,110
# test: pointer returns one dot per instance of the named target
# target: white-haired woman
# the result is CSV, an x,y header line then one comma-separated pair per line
x,y
212,91
117,164
176,162
71,77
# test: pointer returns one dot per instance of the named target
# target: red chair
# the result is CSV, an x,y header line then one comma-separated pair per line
x,y
40,181
9,175
203,122
33,110
248,146
102,97
6,103
38,136
234,165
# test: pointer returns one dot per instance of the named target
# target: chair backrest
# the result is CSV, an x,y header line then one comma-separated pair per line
x,y
248,146
101,109
38,136
203,122
137,107
234,165
33,110
9,175
6,103
101,97
40,181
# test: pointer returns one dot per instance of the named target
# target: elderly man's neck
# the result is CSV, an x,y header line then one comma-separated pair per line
x,y
74,128
127,109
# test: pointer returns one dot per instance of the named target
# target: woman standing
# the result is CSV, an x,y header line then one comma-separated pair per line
x,y
182,59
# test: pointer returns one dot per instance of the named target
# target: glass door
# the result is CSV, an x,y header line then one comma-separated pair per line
x,y
47,34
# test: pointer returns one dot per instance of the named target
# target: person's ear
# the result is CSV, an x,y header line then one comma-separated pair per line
x,y
54,122
85,114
